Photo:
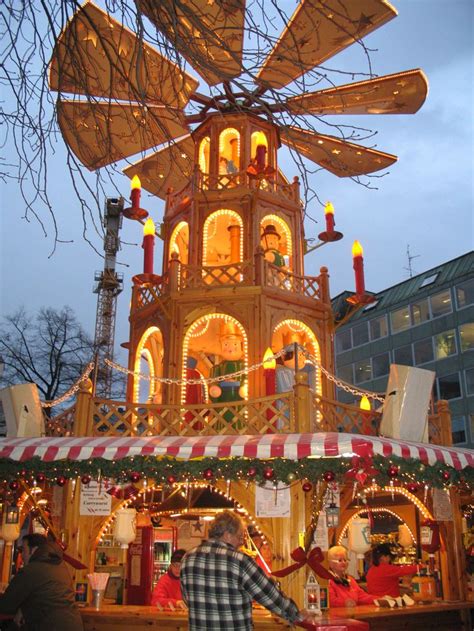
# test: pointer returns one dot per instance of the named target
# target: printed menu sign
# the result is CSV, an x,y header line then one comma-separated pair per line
x,y
94,502
272,501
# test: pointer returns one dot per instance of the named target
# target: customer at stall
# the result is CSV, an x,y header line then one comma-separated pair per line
x,y
219,582
42,589
343,589
382,577
167,591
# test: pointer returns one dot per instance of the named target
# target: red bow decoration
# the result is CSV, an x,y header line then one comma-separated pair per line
x,y
362,468
313,559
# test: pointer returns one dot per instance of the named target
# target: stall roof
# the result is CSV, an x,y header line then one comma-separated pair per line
x,y
288,446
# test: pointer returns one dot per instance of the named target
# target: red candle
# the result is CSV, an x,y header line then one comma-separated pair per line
x,y
269,372
358,264
136,191
329,214
148,246
260,156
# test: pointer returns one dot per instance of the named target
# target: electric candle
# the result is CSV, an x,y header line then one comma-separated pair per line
x,y
329,215
148,245
358,264
269,364
136,192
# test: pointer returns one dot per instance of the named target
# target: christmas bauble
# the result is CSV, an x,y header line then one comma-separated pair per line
x,y
40,478
171,479
291,477
306,486
134,476
86,478
208,474
392,471
446,475
13,485
329,476
268,473
252,472
61,480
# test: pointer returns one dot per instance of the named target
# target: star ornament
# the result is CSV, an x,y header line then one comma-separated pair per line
x,y
197,528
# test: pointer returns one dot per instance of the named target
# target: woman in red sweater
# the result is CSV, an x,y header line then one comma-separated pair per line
x,y
382,577
343,589
168,588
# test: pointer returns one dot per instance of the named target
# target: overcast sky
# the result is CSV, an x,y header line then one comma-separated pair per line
x,y
425,201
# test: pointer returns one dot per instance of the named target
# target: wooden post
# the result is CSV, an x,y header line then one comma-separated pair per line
x,y
324,286
83,417
259,266
234,231
174,272
303,412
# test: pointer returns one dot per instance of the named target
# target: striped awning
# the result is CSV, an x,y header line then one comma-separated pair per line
x,y
288,446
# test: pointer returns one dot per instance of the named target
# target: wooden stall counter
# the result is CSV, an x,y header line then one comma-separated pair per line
x,y
442,616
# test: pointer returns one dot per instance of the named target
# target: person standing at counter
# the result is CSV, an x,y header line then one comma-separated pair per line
x,y
42,589
168,588
219,582
382,577
343,589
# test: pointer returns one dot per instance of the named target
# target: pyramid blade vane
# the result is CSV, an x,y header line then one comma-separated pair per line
x,y
207,33
96,56
399,93
318,30
102,133
340,157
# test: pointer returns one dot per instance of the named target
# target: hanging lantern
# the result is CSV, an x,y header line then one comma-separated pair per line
x,y
125,526
332,515
10,530
312,594
359,536
404,536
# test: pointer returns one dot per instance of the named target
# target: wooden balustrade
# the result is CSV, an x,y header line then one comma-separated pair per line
x,y
62,424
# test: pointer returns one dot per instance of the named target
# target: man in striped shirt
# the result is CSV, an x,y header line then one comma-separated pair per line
x,y
219,583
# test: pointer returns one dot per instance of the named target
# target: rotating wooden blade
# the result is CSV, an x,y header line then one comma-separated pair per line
x,y
317,31
102,133
170,167
400,93
97,56
340,157
207,33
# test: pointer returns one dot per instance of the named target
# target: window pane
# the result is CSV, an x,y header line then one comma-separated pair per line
x,y
403,355
345,373
423,350
380,365
458,429
449,387
445,344
465,293
343,341
362,371
378,328
469,380
420,311
400,319
360,334
466,335
441,303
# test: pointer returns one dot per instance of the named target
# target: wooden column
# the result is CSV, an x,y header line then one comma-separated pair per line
x,y
83,417
303,412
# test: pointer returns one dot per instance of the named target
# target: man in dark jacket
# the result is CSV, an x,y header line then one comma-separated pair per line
x,y
42,589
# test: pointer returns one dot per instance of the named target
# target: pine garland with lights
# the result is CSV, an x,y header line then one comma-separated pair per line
x,y
382,470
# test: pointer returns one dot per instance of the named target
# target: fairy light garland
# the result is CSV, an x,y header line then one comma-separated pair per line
x,y
376,510
72,390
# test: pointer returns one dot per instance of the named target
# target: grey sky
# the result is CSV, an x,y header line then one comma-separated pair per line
x,y
425,201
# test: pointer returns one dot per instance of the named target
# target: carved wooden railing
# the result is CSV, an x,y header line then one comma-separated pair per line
x,y
259,416
272,183
62,424
216,275
340,417
146,295
283,279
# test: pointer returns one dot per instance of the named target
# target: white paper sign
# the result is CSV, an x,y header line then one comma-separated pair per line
x,y
442,508
321,536
272,501
93,502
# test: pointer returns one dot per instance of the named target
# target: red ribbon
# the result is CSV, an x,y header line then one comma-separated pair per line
x,y
361,469
313,559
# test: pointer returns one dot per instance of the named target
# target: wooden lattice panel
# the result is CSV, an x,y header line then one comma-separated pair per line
x,y
62,424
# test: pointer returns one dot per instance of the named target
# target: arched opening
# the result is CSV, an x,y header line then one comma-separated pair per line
x,y
259,149
229,156
204,154
275,238
179,242
148,365
222,236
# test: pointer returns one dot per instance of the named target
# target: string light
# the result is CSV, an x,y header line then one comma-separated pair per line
x,y
138,357
174,247
204,148
72,390
400,490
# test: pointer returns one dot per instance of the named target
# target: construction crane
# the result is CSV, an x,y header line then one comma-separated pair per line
x,y
108,286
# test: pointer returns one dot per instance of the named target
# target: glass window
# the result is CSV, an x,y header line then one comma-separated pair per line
x,y
420,311
378,328
458,429
423,350
380,365
362,371
371,305
441,303
360,334
449,386
445,344
343,341
400,319
429,280
470,381
466,335
403,355
465,293
345,373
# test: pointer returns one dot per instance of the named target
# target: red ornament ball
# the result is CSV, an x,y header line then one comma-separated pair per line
x,y
22,473
134,476
307,486
412,487
268,473
208,474
252,472
171,479
40,478
446,475
329,476
61,480
13,485
85,479
392,471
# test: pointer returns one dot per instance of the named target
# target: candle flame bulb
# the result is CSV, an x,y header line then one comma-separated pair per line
x,y
358,264
329,216
365,404
136,192
269,362
149,227
135,183
328,209
357,249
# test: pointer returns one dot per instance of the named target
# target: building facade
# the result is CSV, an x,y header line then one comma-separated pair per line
x,y
426,321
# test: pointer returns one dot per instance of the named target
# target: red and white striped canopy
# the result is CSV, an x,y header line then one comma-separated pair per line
x,y
289,446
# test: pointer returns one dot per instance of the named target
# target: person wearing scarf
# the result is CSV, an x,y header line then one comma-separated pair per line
x,y
343,589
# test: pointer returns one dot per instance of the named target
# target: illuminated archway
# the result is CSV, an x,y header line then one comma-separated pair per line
x,y
258,139
222,238
229,151
179,242
149,349
378,509
204,153
285,243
